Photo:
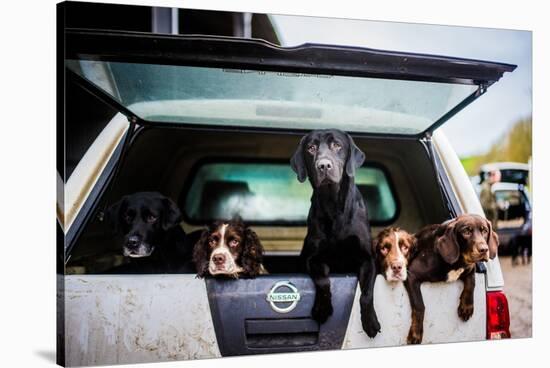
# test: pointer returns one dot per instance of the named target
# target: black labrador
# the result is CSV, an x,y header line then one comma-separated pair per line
x,y
153,240
338,233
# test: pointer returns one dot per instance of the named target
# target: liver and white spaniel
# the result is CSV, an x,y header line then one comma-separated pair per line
x,y
394,247
229,248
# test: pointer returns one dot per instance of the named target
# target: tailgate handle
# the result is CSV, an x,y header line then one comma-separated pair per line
x,y
281,326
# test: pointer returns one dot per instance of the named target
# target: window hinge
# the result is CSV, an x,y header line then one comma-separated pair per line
x,y
427,136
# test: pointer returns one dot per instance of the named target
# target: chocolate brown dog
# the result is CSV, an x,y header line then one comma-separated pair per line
x,y
448,252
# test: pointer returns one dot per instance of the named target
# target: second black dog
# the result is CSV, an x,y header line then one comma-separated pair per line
x,y
152,237
338,234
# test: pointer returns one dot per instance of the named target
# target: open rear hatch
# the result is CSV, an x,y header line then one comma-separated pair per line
x,y
244,83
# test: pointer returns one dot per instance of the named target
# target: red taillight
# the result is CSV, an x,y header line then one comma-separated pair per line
x,y
498,316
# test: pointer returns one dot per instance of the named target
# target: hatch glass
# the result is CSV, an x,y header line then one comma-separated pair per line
x,y
253,98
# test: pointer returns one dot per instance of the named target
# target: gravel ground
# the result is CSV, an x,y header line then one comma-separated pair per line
x,y
518,287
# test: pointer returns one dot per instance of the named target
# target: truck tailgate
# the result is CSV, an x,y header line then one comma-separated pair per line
x,y
441,322
117,319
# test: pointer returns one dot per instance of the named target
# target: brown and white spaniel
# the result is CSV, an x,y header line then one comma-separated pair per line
x,y
229,248
393,247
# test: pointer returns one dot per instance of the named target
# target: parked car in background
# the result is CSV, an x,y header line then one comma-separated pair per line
x,y
513,200
522,243
511,172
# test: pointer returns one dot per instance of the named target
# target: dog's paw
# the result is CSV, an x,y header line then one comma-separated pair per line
x,y
371,326
465,311
414,337
321,311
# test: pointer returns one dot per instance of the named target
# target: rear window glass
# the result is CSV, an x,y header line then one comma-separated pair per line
x,y
241,97
269,193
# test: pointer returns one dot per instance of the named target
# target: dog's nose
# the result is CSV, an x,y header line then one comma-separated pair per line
x,y
483,250
218,259
133,241
397,267
324,165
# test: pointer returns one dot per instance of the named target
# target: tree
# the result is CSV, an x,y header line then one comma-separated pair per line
x,y
515,145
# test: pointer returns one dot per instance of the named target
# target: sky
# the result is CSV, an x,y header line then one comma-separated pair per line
x,y
479,125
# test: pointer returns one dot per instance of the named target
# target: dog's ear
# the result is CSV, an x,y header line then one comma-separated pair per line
x,y
252,255
492,241
200,254
376,241
171,215
356,157
297,162
412,241
113,214
447,243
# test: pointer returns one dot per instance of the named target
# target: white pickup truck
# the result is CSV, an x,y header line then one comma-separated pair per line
x,y
211,122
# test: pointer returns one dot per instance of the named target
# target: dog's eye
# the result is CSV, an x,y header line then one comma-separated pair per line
x,y
151,219
335,146
212,242
233,243
484,230
467,231
312,149
128,218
